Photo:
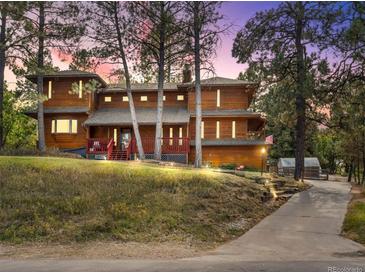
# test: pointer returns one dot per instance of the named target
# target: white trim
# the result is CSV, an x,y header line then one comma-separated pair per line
x,y
115,136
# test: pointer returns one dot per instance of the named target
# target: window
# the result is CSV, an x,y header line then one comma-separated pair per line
x,y
107,99
171,135
217,134
144,98
49,89
233,129
125,99
180,97
180,135
164,98
202,130
53,126
80,89
115,135
218,97
64,126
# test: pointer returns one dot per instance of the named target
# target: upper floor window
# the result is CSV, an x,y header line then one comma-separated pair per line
x,y
202,130
144,98
164,97
125,99
218,130
107,99
49,89
218,97
180,97
64,126
233,129
80,89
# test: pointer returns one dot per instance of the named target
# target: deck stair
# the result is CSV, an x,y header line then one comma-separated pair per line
x,y
118,155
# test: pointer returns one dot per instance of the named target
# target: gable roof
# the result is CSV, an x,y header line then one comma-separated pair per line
x,y
66,74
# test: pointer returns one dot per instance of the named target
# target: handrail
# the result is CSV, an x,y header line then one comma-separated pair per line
x,y
110,148
168,145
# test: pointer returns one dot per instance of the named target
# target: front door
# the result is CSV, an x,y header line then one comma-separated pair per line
x,y
125,137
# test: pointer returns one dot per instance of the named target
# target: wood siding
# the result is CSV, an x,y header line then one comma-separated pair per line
x,y
117,100
230,98
210,124
249,156
65,140
61,93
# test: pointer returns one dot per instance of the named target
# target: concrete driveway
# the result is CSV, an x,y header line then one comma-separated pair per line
x,y
303,235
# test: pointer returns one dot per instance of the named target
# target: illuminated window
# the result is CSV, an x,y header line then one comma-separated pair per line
x,y
107,99
53,126
233,129
217,134
164,98
144,98
218,97
202,130
80,89
74,126
171,135
64,126
115,136
180,135
180,97
125,99
49,89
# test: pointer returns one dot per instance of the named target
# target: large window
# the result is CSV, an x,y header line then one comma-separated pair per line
x,y
64,126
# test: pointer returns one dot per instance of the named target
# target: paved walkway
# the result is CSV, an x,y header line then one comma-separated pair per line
x,y
303,235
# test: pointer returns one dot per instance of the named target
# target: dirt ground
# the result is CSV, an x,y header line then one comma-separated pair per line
x,y
99,250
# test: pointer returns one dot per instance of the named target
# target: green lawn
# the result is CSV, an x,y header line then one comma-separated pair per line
x,y
67,200
354,224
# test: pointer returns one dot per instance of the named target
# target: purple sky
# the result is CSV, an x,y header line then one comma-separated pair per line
x,y
236,13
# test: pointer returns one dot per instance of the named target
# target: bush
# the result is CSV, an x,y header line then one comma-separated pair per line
x,y
230,166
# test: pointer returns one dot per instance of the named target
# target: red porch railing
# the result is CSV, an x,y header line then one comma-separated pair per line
x,y
110,148
168,146
97,145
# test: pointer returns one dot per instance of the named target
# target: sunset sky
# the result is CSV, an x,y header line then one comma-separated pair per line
x,y
236,13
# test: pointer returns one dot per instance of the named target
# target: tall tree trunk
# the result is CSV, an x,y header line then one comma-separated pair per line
x,y
40,73
161,79
351,169
2,71
300,100
128,84
198,99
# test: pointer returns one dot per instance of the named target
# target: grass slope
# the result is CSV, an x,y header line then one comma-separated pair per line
x,y
64,200
354,224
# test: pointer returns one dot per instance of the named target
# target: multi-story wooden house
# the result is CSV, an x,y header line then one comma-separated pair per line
x,y
99,123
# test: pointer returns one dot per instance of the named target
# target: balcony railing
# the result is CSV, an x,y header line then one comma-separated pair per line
x,y
97,145
168,145
255,135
